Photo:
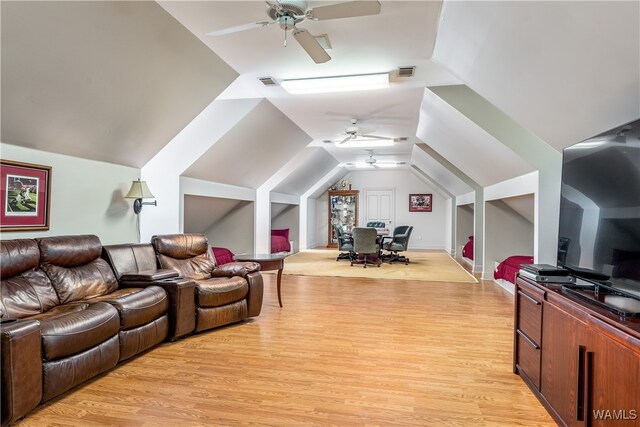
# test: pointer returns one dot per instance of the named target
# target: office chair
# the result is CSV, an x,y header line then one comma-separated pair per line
x,y
345,244
399,243
365,245
376,224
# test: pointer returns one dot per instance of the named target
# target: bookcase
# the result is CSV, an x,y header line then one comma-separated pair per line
x,y
343,212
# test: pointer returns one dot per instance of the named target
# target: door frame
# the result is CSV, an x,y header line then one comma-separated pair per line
x,y
365,191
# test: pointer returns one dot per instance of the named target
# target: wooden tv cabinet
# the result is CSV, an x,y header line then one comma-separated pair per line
x,y
580,360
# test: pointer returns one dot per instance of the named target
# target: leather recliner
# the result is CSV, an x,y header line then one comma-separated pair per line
x,y
62,312
224,294
135,265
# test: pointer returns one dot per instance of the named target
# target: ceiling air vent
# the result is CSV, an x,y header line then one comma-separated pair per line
x,y
401,139
268,81
406,71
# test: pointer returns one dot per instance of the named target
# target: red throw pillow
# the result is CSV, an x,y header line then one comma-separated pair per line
x,y
222,255
284,232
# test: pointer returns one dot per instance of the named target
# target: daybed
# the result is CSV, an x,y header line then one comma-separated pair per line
x,y
508,268
71,310
280,241
467,249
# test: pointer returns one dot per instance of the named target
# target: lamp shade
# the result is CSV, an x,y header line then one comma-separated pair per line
x,y
139,190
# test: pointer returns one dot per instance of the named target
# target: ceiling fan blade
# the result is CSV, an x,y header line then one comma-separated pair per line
x,y
311,46
348,9
239,28
376,137
362,131
344,140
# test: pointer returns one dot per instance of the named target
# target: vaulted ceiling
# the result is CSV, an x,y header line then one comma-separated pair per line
x,y
117,81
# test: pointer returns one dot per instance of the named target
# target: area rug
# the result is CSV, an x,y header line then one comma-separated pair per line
x,y
424,266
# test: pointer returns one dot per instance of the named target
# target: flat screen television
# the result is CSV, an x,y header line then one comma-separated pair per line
x,y
599,234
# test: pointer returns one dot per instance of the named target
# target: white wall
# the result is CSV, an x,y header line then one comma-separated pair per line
x,y
322,219
287,216
312,219
235,230
429,228
507,233
86,196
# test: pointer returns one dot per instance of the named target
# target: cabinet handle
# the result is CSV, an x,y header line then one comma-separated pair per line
x,y
527,339
588,387
580,389
530,298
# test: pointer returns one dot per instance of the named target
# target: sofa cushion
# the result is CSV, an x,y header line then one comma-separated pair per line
x,y
75,268
181,246
137,306
220,291
130,258
72,328
18,256
27,294
188,254
84,282
69,251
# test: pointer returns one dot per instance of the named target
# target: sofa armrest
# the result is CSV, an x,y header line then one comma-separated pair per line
x,y
254,297
21,361
150,275
182,303
235,269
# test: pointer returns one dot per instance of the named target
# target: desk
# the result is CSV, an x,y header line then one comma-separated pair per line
x,y
267,262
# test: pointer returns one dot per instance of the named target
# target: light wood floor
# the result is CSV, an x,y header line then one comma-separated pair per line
x,y
342,351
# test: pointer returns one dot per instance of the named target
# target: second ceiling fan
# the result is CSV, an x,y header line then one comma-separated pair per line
x,y
288,13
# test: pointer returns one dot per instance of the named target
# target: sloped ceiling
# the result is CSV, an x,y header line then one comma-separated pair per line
x,y
322,186
436,171
565,70
253,150
109,81
403,34
467,146
200,213
278,209
307,173
523,205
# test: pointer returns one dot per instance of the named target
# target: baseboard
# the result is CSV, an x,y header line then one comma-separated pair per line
x,y
506,285
430,247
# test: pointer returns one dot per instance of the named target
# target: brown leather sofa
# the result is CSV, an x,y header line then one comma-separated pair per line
x,y
59,290
224,294
135,266
72,309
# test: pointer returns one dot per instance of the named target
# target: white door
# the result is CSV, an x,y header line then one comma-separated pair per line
x,y
379,206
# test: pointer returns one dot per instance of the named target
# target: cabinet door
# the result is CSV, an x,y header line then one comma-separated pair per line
x,y
562,368
615,382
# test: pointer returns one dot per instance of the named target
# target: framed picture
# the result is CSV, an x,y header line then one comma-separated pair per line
x,y
420,202
25,195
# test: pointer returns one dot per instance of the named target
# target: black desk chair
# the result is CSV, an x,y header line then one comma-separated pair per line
x,y
376,224
365,245
398,243
345,244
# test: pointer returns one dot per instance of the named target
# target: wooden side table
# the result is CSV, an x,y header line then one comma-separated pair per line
x,y
268,262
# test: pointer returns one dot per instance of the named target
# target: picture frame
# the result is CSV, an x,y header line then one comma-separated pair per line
x,y
25,196
420,202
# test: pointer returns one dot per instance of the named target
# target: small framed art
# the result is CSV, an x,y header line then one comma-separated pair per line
x,y
25,193
420,202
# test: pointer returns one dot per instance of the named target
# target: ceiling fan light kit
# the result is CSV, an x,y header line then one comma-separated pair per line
x,y
288,13
337,83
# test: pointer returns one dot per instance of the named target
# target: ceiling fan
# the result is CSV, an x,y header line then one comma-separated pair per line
x,y
372,162
288,13
354,131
